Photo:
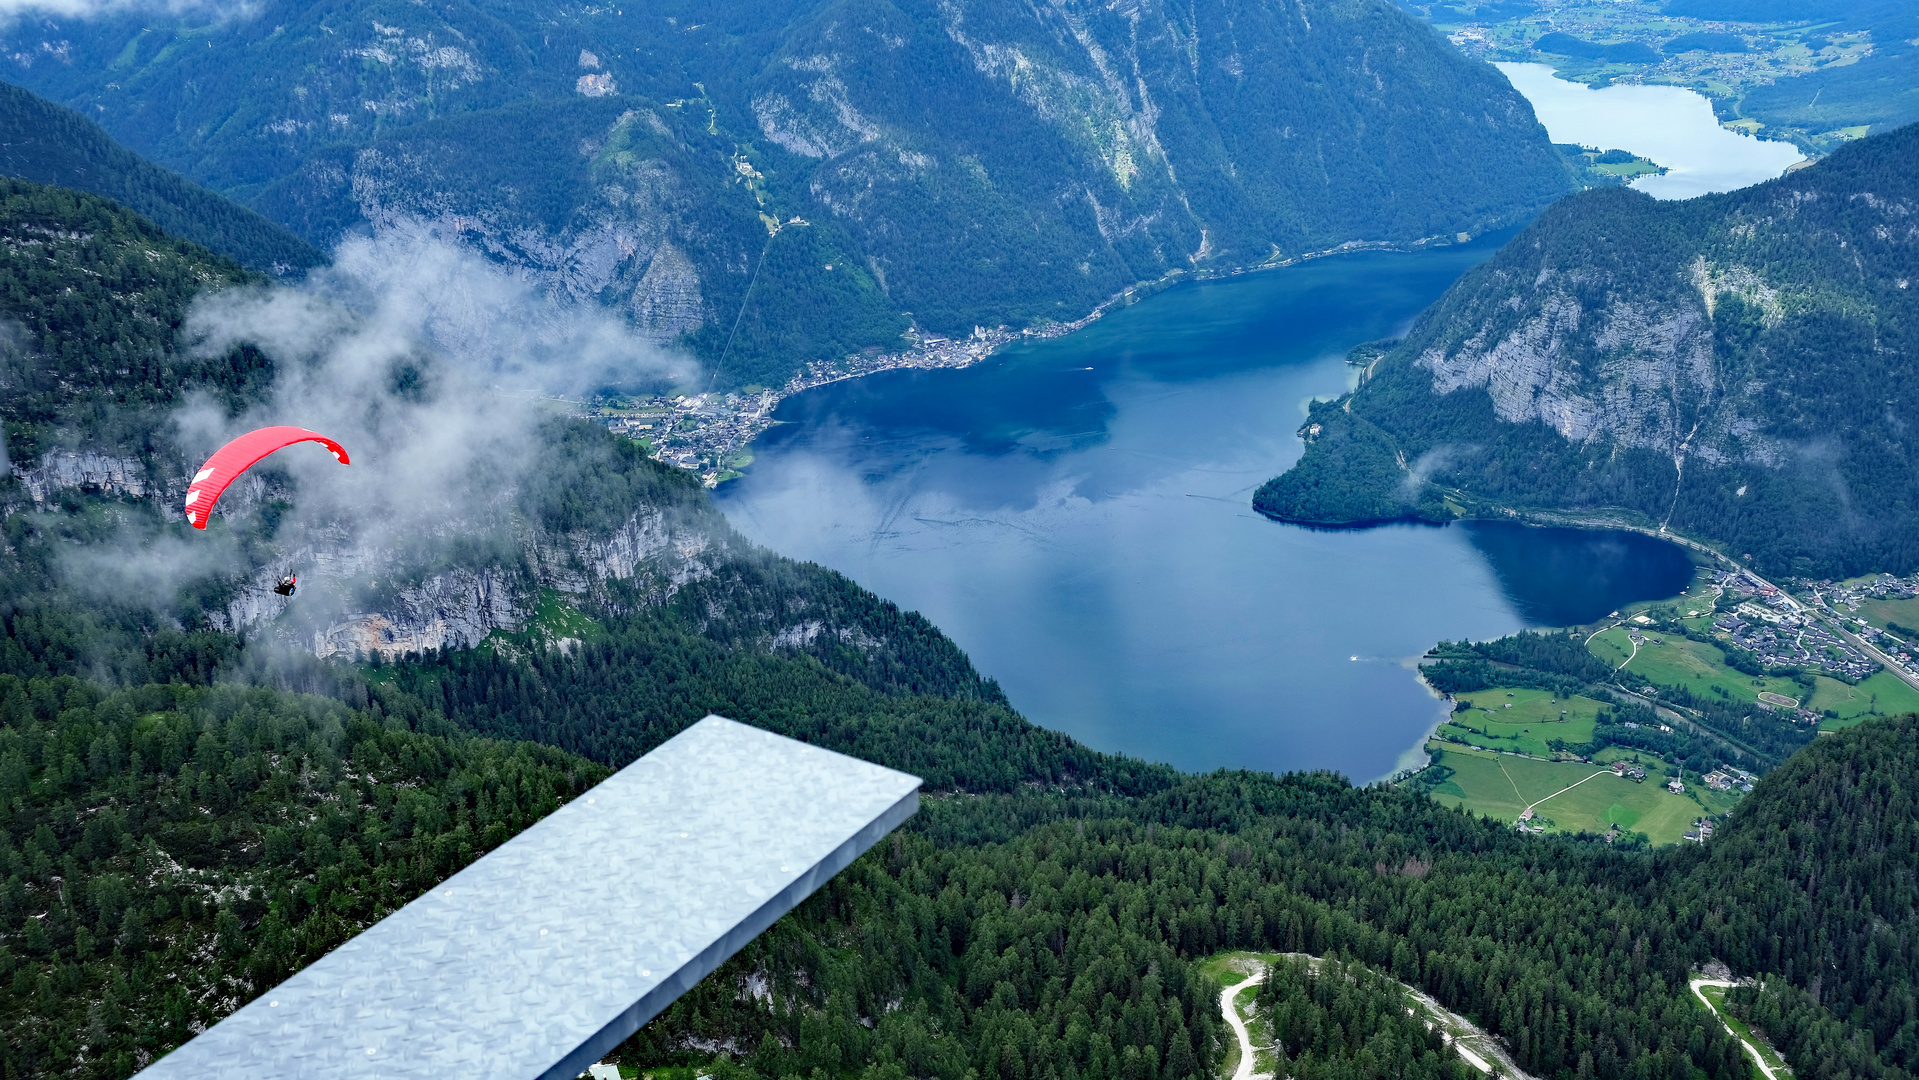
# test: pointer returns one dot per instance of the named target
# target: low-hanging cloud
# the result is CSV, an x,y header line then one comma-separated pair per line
x,y
431,364
1439,459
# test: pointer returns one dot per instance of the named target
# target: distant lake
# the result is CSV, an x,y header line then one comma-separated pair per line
x,y
1075,514
1671,125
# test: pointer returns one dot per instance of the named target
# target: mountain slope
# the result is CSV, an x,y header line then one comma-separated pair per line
x,y
1881,89
1821,864
92,296
969,165
1738,366
191,815
48,144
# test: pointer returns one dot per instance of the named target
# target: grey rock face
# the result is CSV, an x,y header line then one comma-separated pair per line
x,y
1628,371
667,301
62,469
356,601
624,246
457,609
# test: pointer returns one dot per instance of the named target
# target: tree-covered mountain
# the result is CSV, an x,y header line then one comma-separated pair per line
x,y
966,164
92,298
1737,367
1828,901
171,851
188,814
49,144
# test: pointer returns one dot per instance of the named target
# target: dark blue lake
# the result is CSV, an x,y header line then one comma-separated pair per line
x,y
1076,515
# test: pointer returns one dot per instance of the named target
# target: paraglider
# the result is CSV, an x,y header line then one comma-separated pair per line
x,y
286,585
236,457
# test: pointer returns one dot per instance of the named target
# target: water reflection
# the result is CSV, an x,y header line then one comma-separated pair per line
x,y
1558,577
1076,515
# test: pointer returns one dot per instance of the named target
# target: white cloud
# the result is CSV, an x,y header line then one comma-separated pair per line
x,y
428,362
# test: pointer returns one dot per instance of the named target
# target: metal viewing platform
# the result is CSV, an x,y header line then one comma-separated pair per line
x,y
550,950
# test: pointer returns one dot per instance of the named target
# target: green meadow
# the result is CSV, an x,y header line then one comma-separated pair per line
x,y
1883,694
1695,665
1522,720
1502,786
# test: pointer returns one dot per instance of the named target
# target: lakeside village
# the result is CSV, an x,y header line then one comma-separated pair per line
x,y
1815,635
709,433
1701,694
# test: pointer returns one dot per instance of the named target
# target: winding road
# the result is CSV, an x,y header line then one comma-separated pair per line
x,y
1758,1058
1475,1047
1226,996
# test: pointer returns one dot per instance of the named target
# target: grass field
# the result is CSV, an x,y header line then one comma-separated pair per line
x,y
1699,667
1534,718
1880,611
1640,167
1502,786
1884,694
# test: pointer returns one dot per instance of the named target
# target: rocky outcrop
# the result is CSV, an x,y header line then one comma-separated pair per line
x,y
62,469
667,301
456,609
1635,374
624,245
1735,367
361,602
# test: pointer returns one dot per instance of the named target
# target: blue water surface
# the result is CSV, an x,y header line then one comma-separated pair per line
x,y
1076,515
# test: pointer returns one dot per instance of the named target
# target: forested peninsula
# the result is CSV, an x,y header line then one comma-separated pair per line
x,y
1734,367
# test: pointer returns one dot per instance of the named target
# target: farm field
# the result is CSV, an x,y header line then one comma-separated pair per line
x,y
1699,667
1882,611
1502,786
1522,720
1884,694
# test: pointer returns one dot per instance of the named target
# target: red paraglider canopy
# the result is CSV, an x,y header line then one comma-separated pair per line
x,y
236,457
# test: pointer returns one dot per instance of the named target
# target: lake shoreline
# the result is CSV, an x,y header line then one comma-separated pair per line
x,y
1075,517
715,448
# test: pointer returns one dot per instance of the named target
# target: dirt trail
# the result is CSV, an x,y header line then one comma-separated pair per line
x,y
1477,1048
1226,996
1528,812
1758,1058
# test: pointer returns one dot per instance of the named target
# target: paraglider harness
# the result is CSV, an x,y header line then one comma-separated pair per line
x,y
287,585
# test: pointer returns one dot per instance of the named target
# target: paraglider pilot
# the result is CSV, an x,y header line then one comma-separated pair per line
x,y
287,585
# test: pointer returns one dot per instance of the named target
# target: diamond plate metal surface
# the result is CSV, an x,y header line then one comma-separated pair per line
x,y
551,949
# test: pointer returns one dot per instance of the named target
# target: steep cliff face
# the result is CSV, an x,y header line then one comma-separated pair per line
x,y
1628,372
360,601
59,470
973,164
1071,149
1739,365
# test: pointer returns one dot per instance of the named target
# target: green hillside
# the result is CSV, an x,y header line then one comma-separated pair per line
x,y
1736,366
1881,89
964,165
49,144
188,814
1827,901
99,296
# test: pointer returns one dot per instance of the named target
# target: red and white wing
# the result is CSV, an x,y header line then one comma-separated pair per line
x,y
236,457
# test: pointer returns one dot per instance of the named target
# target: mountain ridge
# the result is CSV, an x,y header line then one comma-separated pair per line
x,y
50,144
953,165
1689,364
